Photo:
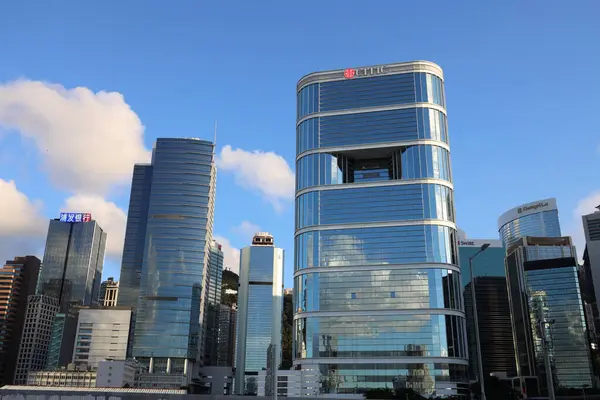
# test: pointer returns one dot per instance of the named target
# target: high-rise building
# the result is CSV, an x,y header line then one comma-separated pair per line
x,y
109,293
213,303
549,327
493,311
18,279
495,329
260,306
180,207
62,340
538,218
376,263
591,265
73,260
37,331
102,333
135,235
226,336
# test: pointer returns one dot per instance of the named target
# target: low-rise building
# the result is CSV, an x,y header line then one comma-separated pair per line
x,y
102,333
69,377
290,383
116,373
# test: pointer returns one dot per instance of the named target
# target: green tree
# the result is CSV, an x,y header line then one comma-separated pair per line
x,y
286,332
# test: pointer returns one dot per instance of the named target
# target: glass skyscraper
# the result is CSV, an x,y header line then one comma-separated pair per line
x,y
212,287
178,192
538,218
544,296
73,260
377,285
259,314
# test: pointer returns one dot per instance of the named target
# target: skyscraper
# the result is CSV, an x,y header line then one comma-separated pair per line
x,y
591,227
73,260
226,336
135,235
549,328
377,282
493,311
37,331
547,315
213,292
178,234
18,279
260,306
538,218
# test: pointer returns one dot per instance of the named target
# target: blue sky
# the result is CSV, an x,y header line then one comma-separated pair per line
x,y
521,82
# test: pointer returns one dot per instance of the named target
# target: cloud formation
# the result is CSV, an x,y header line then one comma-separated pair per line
x,y
246,230
19,216
266,172
231,255
585,206
109,216
88,141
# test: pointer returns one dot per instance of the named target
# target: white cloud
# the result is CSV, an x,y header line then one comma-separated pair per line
x,y
246,230
22,226
110,218
267,172
88,141
231,255
19,216
585,206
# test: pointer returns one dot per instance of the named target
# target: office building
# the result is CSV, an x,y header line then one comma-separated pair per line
x,y
213,303
116,373
37,331
135,235
495,329
66,377
18,279
102,333
171,303
226,336
493,311
62,339
538,218
376,263
73,260
547,314
259,314
109,293
591,265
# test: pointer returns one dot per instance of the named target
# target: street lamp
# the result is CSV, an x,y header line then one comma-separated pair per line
x,y
583,389
474,301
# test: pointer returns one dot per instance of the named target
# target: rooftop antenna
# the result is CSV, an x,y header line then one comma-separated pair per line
x,y
215,138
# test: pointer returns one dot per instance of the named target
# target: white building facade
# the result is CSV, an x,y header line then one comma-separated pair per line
x,y
102,332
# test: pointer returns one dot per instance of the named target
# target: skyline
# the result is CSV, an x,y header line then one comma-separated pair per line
x,y
164,74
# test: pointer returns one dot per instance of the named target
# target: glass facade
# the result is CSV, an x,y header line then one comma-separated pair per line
x,y
175,257
377,287
135,236
213,304
544,292
73,261
539,218
259,315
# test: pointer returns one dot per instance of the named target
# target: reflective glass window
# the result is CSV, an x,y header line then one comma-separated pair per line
x,y
375,204
421,161
307,135
385,289
308,100
429,89
380,336
375,246
543,224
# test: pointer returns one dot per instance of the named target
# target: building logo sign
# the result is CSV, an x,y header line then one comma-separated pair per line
x,y
350,73
466,243
75,217
533,207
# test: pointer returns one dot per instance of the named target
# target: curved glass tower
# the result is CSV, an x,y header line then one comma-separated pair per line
x,y
538,218
376,275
